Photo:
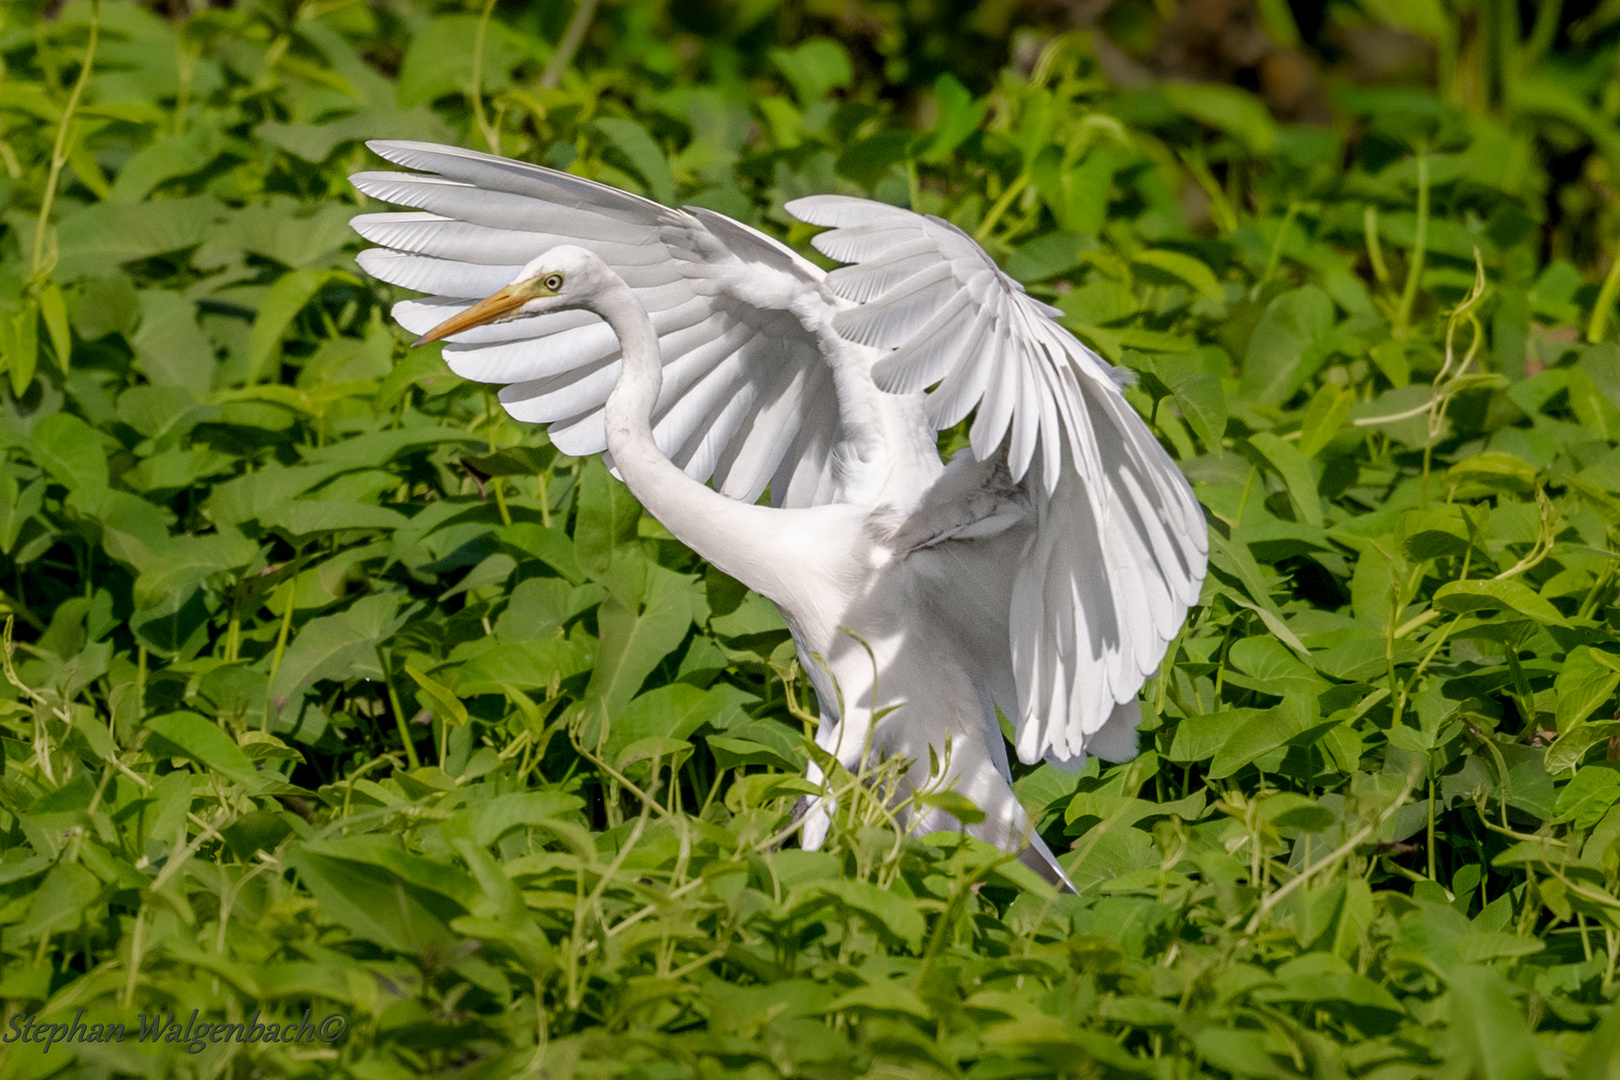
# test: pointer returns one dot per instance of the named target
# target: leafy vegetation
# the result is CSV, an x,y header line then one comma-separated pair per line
x,y
330,687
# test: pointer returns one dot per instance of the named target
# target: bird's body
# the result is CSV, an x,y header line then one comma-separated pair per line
x,y
1043,573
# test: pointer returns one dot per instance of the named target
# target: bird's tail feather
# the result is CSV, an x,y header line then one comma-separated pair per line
x,y
1039,858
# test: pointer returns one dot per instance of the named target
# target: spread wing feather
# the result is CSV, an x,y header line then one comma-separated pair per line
x,y
752,339
744,324
1119,546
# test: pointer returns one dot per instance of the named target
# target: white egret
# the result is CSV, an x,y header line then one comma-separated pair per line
x,y
1045,572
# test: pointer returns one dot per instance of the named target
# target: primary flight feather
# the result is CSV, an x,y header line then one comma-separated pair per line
x,y
1043,573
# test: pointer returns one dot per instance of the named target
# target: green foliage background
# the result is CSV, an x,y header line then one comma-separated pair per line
x,y
332,688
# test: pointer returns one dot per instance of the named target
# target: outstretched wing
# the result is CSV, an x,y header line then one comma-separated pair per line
x,y
744,324
1119,547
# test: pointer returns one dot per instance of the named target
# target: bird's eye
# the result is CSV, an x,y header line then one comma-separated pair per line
x,y
553,282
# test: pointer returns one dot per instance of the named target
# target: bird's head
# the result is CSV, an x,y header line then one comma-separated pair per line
x,y
563,278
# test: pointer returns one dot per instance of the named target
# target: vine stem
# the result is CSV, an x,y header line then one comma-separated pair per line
x,y
1000,207
1268,904
399,721
59,152
1599,324
573,37
1375,249
491,133
1420,241
1275,258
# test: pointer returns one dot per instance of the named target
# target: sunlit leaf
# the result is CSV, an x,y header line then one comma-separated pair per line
x,y
1289,344
1510,595
814,68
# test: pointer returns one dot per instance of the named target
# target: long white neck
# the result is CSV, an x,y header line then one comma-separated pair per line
x,y
760,546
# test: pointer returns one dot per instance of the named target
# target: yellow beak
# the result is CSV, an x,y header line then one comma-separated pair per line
x,y
499,304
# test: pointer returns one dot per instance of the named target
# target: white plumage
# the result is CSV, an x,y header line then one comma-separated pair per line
x,y
1044,573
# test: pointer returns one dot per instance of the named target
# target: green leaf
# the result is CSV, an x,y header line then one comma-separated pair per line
x,y
869,160
1290,342
1600,363
107,305
514,461
17,507
1099,301
1306,819
1324,417
201,740
308,517
1237,560
187,561
444,703
1203,406
1496,470
551,546
1075,192
1599,1058
1273,667
495,818
60,904
164,159
493,571
53,310
954,803
438,61
1244,1053
880,997
287,297
1048,256
133,530
1296,472
106,235
1323,977
1489,1029
1198,738
371,903
890,913
292,234
538,606
1188,269
1372,587
1588,796
633,141
70,451
527,665
671,753
341,646
1434,534
1512,595
19,346
674,712
814,69
1566,751
635,641
1262,734
1587,680
1225,108
960,115
316,142
731,752
176,470
171,349
606,523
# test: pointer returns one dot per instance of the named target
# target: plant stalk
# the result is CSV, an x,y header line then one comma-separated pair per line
x,y
573,37
61,149
1420,242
